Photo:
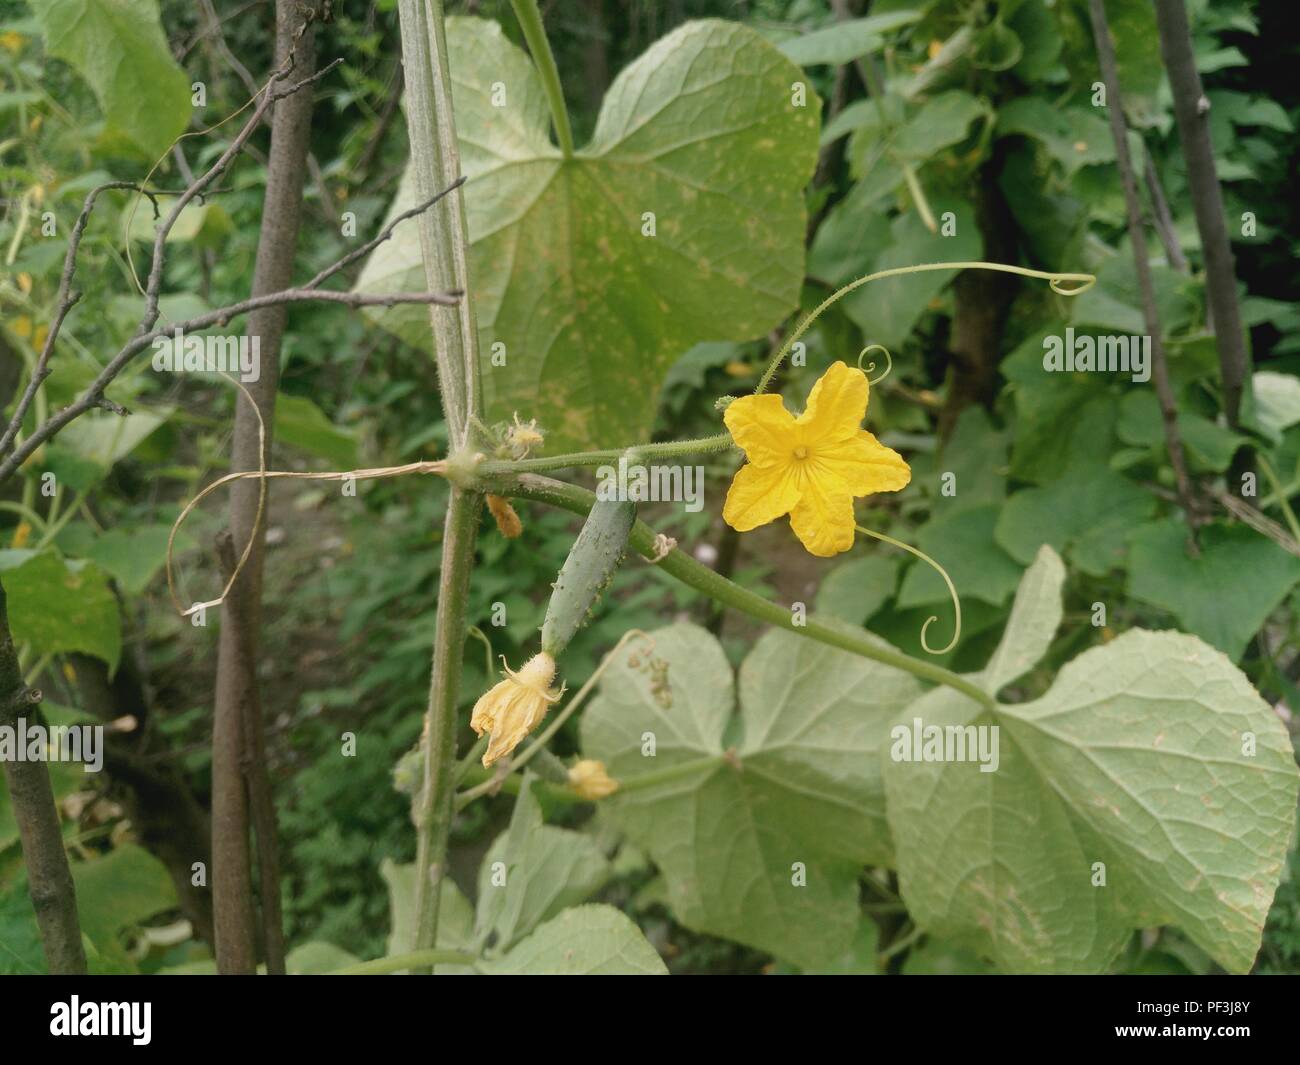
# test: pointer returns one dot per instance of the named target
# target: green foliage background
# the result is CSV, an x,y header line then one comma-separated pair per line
x,y
983,107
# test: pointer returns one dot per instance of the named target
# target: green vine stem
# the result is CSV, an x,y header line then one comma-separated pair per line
x,y
680,565
1055,279
666,450
433,812
444,244
530,21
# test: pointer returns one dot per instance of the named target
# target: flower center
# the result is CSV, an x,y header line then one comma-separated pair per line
x,y
801,452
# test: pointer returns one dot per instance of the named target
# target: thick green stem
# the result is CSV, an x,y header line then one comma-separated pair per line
x,y
444,239
434,812
444,242
530,21
669,449
679,564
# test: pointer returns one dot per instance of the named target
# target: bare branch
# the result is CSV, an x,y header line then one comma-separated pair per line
x,y
64,302
1191,111
371,245
269,96
94,398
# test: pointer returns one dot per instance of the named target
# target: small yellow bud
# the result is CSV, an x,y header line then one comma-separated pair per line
x,y
588,780
522,437
511,709
21,534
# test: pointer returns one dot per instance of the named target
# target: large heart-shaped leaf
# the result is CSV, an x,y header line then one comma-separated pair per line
x,y
760,820
590,940
119,48
589,312
1151,785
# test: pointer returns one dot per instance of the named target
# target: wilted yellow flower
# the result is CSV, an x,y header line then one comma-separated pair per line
x,y
810,467
512,709
588,780
504,514
21,534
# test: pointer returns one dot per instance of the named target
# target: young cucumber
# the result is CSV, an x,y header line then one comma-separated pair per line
x,y
592,560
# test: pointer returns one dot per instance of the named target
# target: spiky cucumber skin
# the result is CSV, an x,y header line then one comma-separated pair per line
x,y
587,571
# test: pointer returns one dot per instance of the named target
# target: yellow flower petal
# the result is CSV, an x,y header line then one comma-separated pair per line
x,y
864,464
836,405
511,709
823,519
760,494
811,467
761,427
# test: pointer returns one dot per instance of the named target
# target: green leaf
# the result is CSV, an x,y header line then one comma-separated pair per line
x,y
997,47
936,958
455,915
1137,764
941,122
135,554
860,956
107,438
1074,137
798,799
301,424
545,869
123,888
204,224
961,540
701,132
843,42
119,48
1226,594
855,590
1277,400
888,309
1035,616
59,606
1088,514
590,940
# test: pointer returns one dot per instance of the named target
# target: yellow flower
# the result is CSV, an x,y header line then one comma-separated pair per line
x,y
589,780
512,709
810,467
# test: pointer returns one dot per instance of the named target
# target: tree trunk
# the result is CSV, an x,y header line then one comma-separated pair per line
x,y
49,879
1191,111
236,687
